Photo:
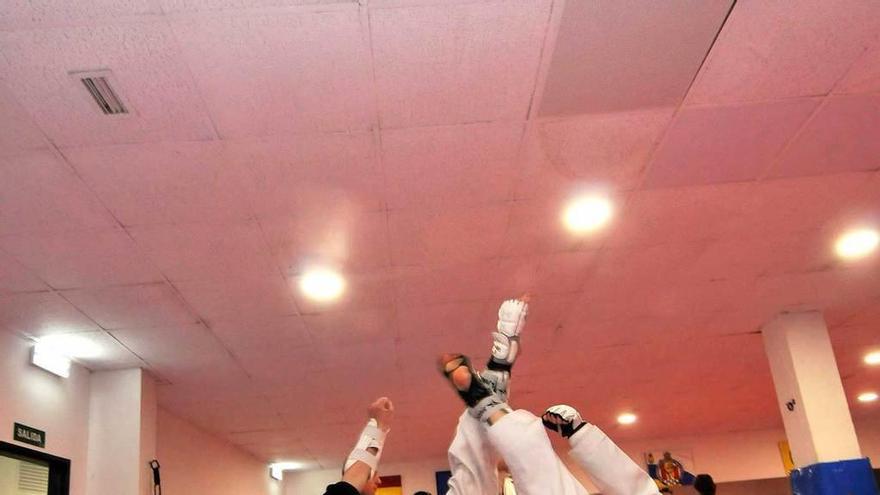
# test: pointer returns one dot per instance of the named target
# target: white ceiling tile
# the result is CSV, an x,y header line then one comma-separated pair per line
x,y
462,165
608,149
206,251
89,258
257,336
132,306
841,137
726,144
355,328
280,73
555,273
41,313
17,131
239,299
430,320
39,193
736,210
202,6
166,182
15,277
474,281
864,75
28,14
457,63
447,236
147,74
175,351
312,174
628,54
770,50
338,236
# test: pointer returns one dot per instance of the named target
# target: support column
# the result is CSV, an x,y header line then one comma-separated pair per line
x,y
814,408
122,433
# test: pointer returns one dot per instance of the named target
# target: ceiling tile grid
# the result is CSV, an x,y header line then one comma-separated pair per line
x,y
147,74
389,140
278,74
459,63
769,50
613,55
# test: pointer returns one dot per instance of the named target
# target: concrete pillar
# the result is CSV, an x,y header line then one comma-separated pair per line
x,y
122,433
814,408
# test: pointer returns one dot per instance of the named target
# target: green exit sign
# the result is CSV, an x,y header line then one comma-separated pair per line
x,y
26,434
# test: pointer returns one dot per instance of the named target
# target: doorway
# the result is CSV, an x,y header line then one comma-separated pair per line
x,y
30,472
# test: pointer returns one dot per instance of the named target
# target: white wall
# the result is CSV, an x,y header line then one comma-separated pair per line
x,y
194,461
58,406
122,432
728,457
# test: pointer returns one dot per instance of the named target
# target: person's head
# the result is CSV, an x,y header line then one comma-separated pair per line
x,y
371,485
704,484
421,493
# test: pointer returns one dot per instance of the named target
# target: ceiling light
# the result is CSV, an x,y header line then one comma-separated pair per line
x,y
872,358
587,214
627,418
276,469
70,345
49,359
868,397
857,243
322,284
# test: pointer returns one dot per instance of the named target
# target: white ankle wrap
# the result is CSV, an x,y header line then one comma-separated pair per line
x,y
371,437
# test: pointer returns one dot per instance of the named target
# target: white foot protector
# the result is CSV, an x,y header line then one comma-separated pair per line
x,y
371,437
511,321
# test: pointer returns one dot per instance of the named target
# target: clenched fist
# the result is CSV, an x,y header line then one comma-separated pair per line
x,y
382,410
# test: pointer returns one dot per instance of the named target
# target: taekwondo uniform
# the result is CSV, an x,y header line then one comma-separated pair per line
x,y
521,440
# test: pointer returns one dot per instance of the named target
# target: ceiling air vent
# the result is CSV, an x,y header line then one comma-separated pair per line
x,y
100,87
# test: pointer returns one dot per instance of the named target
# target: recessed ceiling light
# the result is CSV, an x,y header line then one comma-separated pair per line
x,y
872,358
868,397
276,469
322,284
627,418
857,243
587,214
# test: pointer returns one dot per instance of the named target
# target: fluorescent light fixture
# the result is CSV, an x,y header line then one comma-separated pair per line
x,y
868,397
49,359
276,469
322,284
587,214
857,243
72,345
627,418
872,358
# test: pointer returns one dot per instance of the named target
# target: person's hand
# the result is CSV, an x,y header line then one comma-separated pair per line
x,y
382,410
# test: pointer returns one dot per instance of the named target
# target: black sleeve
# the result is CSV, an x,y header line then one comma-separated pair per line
x,y
341,488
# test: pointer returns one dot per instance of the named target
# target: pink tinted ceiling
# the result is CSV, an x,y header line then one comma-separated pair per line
x,y
425,148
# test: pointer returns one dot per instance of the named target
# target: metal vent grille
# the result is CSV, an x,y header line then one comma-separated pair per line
x,y
104,96
33,477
